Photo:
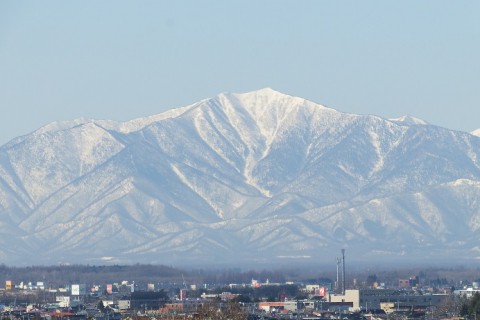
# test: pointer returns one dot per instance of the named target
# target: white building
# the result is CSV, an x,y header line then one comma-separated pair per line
x,y
468,292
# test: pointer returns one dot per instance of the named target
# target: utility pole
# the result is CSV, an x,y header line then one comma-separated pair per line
x,y
337,284
343,271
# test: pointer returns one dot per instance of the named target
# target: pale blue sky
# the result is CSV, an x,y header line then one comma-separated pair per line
x,y
121,60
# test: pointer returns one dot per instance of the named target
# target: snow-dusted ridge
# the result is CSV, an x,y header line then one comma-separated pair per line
x,y
239,177
409,120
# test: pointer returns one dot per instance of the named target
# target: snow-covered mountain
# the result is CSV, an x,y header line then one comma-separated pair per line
x,y
259,176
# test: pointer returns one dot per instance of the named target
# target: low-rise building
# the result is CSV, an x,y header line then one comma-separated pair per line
x,y
467,292
276,306
372,298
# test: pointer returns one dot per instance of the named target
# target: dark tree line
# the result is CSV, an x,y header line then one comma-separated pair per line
x,y
61,275
57,276
228,276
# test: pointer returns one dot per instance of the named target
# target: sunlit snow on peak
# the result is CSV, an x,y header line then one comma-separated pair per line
x,y
409,120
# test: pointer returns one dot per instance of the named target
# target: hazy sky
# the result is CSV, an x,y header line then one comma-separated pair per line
x,y
121,60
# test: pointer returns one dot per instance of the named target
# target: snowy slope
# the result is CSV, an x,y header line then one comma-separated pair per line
x,y
238,177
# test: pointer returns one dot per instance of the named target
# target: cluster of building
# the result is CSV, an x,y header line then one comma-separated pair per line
x,y
114,301
407,299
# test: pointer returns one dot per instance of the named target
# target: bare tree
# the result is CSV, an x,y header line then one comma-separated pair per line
x,y
221,310
449,307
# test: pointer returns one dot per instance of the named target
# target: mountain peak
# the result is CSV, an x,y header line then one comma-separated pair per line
x,y
263,94
409,120
267,91
267,98
476,132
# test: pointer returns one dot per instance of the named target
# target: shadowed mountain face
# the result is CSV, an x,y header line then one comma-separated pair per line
x,y
253,177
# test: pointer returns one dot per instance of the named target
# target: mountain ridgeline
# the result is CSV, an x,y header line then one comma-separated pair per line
x,y
254,177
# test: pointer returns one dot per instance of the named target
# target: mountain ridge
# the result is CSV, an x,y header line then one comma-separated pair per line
x,y
237,177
